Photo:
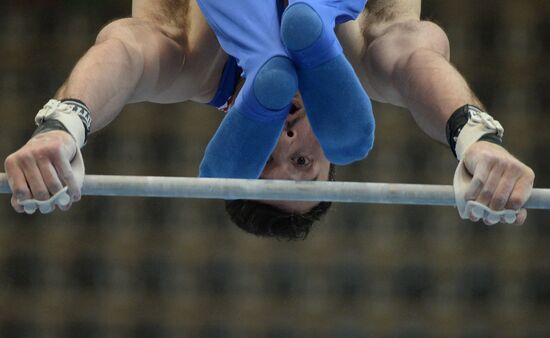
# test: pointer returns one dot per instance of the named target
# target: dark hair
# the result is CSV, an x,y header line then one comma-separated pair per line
x,y
268,221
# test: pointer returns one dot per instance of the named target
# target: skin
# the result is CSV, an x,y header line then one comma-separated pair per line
x,y
298,156
167,53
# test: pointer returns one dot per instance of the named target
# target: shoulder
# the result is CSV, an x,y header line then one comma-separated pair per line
x,y
182,21
376,20
377,17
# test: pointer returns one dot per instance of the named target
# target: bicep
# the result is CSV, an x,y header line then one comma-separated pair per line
x,y
392,31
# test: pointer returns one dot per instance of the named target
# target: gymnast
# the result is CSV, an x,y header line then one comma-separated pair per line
x,y
293,77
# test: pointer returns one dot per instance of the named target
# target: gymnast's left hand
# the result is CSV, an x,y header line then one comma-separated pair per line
x,y
499,180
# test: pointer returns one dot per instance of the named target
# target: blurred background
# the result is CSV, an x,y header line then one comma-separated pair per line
x,y
130,267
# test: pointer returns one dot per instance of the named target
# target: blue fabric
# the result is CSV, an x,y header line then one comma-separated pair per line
x,y
314,20
296,35
338,107
228,82
250,31
339,110
247,136
243,143
239,146
246,31
276,83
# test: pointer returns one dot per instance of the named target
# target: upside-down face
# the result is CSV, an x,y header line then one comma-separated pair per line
x,y
298,156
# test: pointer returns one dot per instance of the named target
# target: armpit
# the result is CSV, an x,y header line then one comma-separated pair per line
x,y
170,15
379,11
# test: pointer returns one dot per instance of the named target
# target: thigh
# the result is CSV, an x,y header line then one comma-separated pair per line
x,y
249,30
338,10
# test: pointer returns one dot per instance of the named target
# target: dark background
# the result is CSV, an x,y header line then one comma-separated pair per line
x,y
130,267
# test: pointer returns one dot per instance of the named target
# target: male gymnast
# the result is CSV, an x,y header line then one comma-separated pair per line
x,y
193,50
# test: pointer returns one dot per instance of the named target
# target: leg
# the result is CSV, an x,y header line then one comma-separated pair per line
x,y
245,139
338,108
247,136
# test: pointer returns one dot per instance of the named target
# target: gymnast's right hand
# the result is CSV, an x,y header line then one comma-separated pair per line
x,y
41,169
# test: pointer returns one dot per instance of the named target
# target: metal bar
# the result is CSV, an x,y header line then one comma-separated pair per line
x,y
215,188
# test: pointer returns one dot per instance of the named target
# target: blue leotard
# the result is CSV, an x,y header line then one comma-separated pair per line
x,y
228,84
250,32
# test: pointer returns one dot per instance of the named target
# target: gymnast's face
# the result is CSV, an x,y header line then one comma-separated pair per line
x,y
298,156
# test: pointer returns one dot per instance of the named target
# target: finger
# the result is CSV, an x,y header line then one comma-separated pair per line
x,y
522,216
488,190
46,208
49,174
491,219
17,182
474,218
34,178
65,172
504,189
510,218
480,176
16,206
521,192
65,207
476,213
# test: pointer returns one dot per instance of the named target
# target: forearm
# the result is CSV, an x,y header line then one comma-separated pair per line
x,y
411,68
104,79
432,89
408,65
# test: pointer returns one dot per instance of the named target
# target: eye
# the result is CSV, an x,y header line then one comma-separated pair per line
x,y
301,161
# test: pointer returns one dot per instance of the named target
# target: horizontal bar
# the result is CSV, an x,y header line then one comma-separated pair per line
x,y
216,188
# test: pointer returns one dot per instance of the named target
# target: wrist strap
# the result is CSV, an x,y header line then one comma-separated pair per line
x,y
492,138
83,113
468,125
49,125
73,115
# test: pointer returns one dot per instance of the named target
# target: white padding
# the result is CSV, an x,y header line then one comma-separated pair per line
x,y
64,113
479,124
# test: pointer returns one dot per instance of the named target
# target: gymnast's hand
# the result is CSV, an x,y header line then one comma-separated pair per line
x,y
42,167
500,181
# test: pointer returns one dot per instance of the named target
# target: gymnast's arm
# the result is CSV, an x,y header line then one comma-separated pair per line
x,y
407,62
133,60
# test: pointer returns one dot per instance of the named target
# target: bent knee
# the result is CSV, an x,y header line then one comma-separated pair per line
x,y
351,153
351,147
301,26
276,83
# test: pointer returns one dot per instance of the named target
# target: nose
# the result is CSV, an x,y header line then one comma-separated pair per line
x,y
289,131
